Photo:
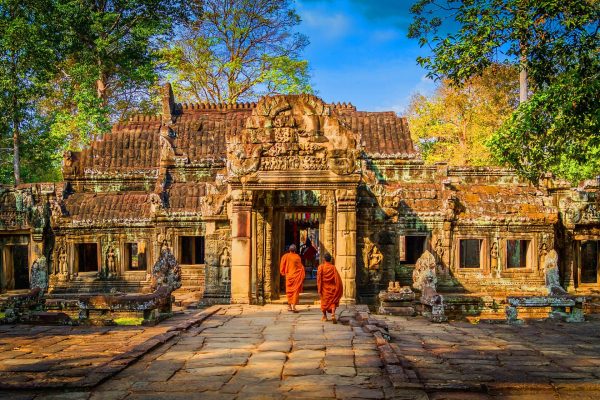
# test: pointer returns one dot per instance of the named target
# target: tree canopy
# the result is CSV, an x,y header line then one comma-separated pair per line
x,y
236,50
71,68
28,52
454,123
557,43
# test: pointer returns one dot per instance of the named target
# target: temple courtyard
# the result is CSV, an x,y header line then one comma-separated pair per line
x,y
265,352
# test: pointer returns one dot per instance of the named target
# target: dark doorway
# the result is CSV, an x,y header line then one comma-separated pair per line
x,y
302,229
192,250
20,259
87,257
589,262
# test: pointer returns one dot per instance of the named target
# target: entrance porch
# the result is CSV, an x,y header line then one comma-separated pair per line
x,y
266,222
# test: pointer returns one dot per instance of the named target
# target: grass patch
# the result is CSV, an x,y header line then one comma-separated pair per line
x,y
128,321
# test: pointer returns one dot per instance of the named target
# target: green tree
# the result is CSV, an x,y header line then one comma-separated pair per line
x,y
28,49
109,69
235,50
557,44
453,124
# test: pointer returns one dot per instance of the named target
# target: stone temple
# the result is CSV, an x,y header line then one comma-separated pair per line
x,y
228,187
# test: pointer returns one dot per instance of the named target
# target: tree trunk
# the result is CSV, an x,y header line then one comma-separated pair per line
x,y
523,82
16,154
15,122
523,73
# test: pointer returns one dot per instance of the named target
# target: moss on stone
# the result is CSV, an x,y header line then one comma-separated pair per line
x,y
128,321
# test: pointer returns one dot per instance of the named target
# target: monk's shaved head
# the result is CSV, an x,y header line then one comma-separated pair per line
x,y
293,248
327,257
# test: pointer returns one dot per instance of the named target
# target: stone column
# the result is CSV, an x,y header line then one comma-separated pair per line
x,y
241,247
345,249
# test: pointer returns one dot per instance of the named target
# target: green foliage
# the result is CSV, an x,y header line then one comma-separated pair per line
x,y
237,50
562,125
109,67
69,69
453,124
558,42
28,43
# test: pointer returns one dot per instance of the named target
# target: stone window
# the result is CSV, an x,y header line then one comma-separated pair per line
x,y
135,254
589,262
87,257
470,253
517,253
411,248
192,249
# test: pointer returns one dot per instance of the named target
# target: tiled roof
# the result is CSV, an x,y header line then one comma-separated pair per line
x,y
130,146
185,196
419,197
383,133
134,146
505,201
201,134
108,207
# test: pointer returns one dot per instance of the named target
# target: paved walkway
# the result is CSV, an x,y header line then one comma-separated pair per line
x,y
253,352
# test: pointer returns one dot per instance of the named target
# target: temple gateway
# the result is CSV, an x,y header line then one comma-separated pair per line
x,y
227,187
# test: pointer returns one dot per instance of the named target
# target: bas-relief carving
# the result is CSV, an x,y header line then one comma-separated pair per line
x,y
494,263
225,267
61,260
164,239
111,261
372,256
292,133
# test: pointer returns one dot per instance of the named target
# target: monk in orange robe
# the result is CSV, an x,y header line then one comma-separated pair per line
x,y
329,285
291,267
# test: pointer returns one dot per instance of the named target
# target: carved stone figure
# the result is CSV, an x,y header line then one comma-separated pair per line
x,y
494,258
425,280
552,275
63,266
225,266
39,274
166,272
56,211
424,274
111,264
156,203
372,256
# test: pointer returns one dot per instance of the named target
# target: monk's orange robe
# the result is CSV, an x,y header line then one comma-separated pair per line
x,y
293,270
329,285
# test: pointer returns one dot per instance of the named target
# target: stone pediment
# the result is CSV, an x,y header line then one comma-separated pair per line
x,y
292,134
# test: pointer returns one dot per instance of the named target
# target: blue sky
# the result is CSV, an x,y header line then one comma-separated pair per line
x,y
359,52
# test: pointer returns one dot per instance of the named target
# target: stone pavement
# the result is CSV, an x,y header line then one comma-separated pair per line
x,y
33,356
252,352
543,359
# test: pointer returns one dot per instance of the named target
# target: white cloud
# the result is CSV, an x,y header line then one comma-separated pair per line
x,y
328,26
384,35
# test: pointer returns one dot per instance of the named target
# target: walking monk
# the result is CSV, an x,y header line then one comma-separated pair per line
x,y
291,267
329,285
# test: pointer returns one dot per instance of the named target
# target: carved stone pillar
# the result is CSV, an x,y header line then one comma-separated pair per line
x,y
345,257
241,247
